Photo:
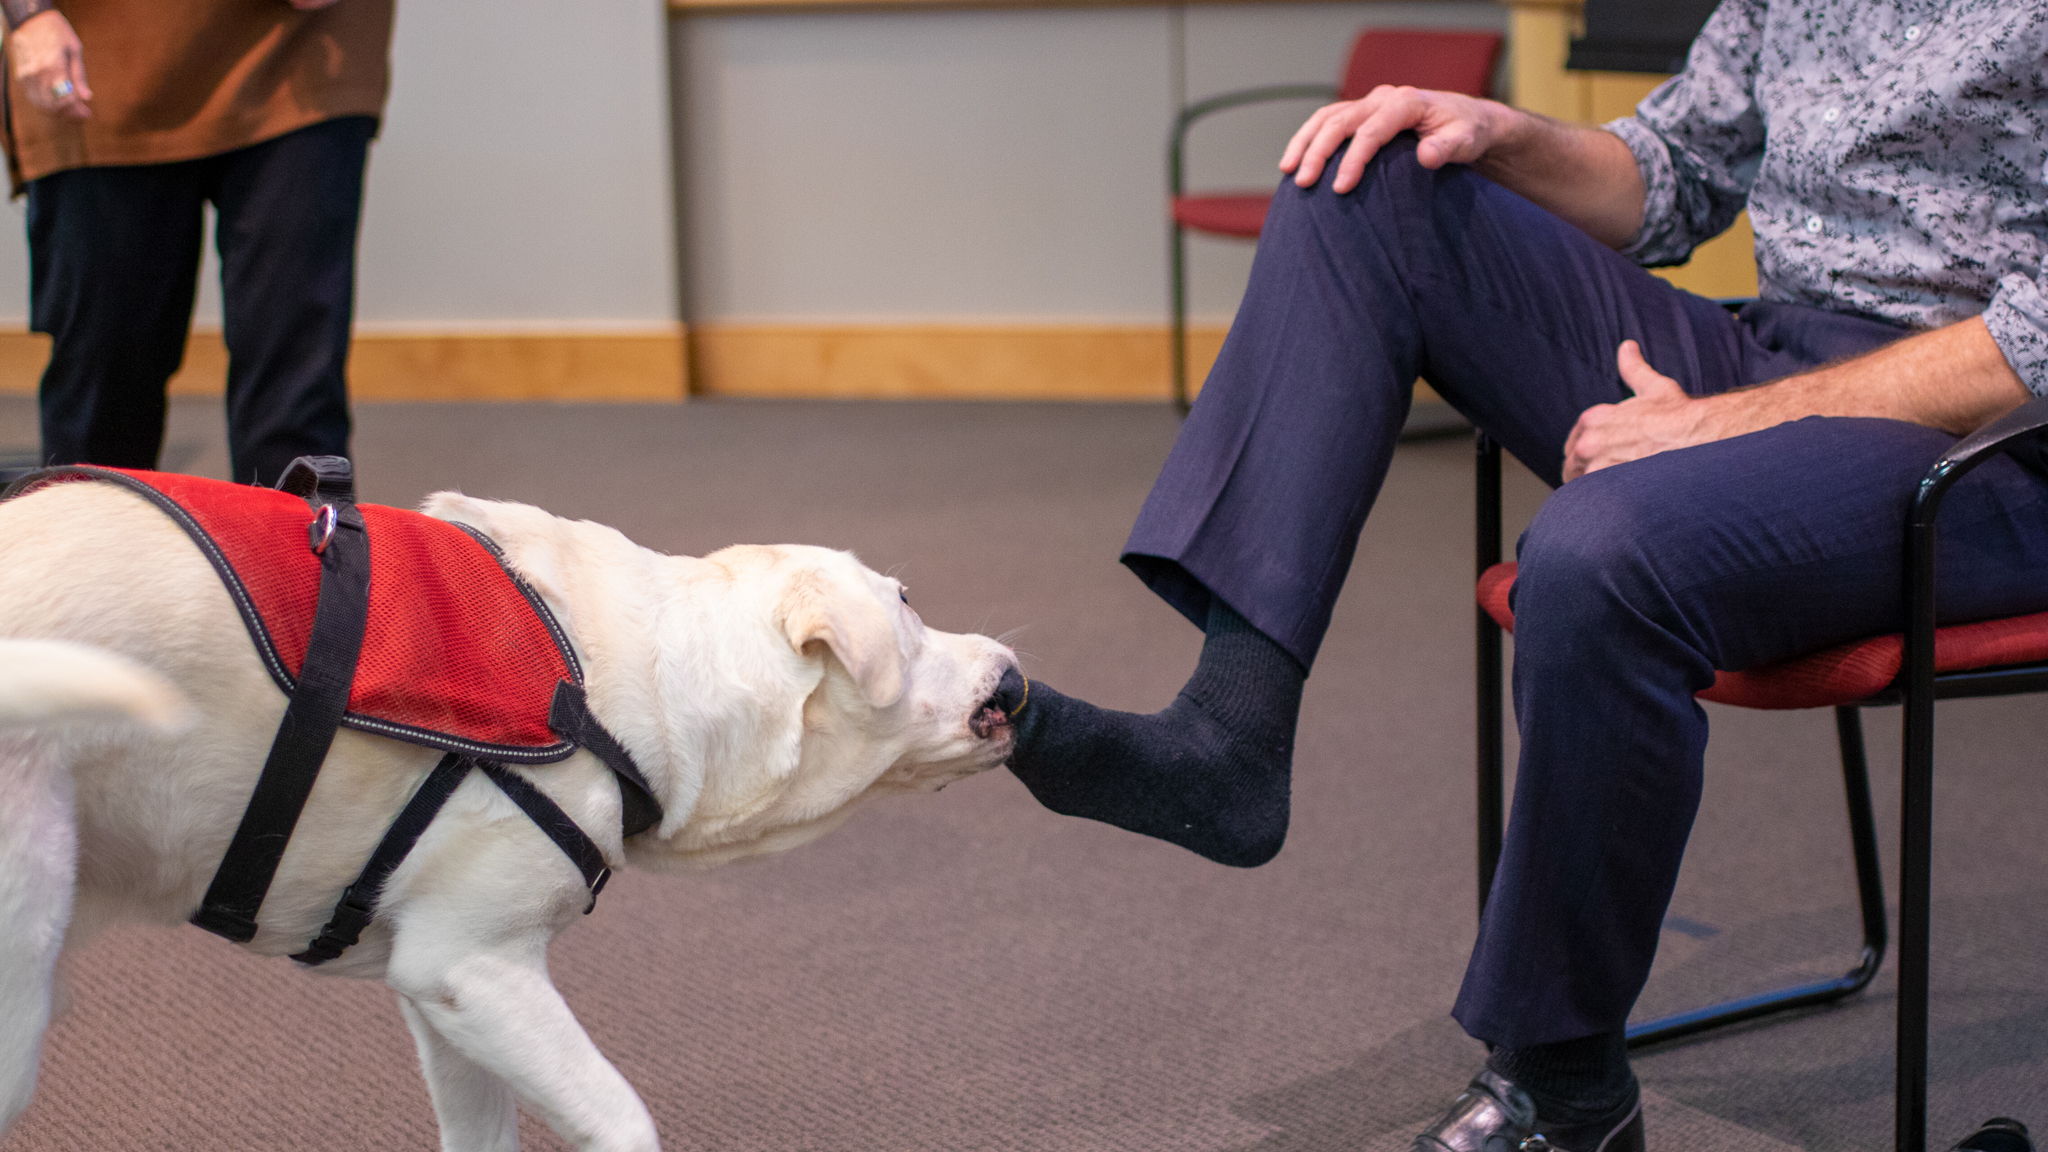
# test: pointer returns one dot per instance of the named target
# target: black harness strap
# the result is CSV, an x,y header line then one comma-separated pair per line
x,y
570,717
316,707
359,900
318,702
549,816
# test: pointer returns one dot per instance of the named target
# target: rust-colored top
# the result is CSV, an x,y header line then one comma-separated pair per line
x,y
177,81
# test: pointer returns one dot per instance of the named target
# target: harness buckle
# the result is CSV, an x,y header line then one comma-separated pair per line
x,y
320,532
597,886
351,916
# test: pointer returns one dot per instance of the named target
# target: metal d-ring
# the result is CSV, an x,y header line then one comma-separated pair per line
x,y
320,533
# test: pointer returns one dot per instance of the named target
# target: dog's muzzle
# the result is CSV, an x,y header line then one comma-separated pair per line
x,y
1000,710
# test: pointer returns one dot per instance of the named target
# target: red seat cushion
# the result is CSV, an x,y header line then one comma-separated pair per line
x,y
1845,673
1231,214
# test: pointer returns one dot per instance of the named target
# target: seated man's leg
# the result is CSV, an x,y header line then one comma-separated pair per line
x,y
1511,313
1636,584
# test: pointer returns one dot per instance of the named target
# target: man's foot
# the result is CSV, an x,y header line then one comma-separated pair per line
x,y
1210,773
1999,1134
1492,1114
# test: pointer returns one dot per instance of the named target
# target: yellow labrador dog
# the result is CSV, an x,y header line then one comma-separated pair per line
x,y
762,690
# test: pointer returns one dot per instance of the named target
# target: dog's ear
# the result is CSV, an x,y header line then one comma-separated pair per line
x,y
854,624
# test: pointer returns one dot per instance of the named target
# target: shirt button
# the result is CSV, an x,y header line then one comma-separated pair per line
x,y
1831,115
1912,33
1813,224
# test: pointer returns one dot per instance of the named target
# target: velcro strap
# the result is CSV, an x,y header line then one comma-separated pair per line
x,y
550,818
569,715
319,699
358,905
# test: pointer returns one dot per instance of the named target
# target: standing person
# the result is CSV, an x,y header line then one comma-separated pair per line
x,y
264,108
1731,489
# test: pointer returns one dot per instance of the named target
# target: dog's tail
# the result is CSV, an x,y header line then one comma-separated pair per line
x,y
47,682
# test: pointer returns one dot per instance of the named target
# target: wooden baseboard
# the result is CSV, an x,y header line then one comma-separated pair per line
x,y
791,361
944,361
636,365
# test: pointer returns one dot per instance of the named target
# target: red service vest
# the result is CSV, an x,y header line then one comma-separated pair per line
x,y
458,652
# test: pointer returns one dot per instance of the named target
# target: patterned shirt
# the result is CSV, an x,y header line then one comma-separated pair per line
x,y
1893,155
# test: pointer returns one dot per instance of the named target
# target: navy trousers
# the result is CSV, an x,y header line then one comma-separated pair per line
x,y
114,264
1637,582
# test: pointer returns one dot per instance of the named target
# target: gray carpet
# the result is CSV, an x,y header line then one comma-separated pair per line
x,y
970,972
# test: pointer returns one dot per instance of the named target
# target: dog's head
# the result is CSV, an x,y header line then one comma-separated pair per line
x,y
837,692
765,688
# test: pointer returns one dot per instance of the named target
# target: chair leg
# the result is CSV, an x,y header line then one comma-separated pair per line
x,y
1870,893
1862,836
1179,288
1488,707
1916,827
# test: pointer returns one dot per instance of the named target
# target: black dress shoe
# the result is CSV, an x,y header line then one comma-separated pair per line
x,y
1493,1115
1999,1134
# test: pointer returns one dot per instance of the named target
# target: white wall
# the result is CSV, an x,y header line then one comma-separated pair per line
x,y
521,179
981,165
963,165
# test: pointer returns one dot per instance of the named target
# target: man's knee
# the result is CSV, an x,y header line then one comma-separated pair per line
x,y
1589,554
1394,182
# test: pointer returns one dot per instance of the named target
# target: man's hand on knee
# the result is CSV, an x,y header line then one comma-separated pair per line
x,y
1455,129
1585,175
1659,417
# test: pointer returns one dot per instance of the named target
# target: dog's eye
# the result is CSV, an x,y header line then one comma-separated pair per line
x,y
903,594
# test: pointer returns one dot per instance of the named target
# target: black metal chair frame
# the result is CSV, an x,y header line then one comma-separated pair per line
x,y
1917,688
1176,180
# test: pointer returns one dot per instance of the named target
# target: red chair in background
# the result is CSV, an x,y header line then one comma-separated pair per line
x,y
1450,61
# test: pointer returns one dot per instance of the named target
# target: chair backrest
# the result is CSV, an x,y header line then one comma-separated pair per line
x,y
1440,58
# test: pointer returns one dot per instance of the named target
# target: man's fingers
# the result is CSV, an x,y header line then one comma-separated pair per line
x,y
1396,111
1330,136
1642,379
1572,464
1297,144
1585,447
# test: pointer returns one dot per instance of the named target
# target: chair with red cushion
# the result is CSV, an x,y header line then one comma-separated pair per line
x,y
1925,663
1444,59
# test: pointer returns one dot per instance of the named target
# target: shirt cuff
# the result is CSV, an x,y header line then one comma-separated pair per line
x,y
2018,320
1652,242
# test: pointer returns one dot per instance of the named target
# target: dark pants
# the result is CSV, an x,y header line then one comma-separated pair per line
x,y
1637,581
114,263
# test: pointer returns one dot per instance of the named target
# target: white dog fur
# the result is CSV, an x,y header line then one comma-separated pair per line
x,y
763,690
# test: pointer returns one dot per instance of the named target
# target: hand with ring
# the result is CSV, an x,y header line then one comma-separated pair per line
x,y
44,52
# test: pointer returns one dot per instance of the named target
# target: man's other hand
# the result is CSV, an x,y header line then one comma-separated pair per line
x,y
1455,129
45,53
1659,417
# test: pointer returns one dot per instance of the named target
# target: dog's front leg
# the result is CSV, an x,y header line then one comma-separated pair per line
x,y
499,1012
474,1107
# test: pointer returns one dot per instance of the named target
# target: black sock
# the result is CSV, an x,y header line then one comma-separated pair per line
x,y
1209,773
1573,1081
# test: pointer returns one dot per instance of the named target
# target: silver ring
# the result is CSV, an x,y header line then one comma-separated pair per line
x,y
61,90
